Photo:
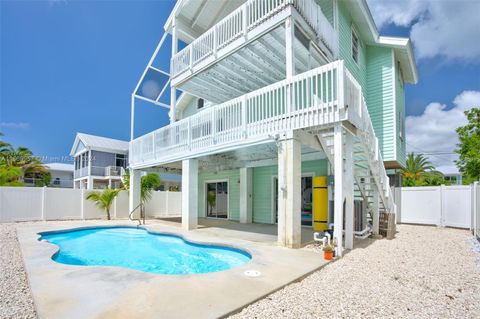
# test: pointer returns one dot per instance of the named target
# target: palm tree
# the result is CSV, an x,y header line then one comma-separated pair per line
x,y
103,199
416,166
148,184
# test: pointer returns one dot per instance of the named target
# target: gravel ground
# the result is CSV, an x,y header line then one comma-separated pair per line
x,y
426,272
16,299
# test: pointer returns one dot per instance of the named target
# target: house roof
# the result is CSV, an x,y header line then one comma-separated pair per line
x,y
402,47
363,18
99,143
60,167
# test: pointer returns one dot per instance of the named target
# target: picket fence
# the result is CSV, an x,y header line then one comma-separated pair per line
x,y
35,204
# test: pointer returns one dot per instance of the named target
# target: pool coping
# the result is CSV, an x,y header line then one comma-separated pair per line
x,y
165,293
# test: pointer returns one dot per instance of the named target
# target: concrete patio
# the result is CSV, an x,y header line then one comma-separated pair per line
x,y
261,233
65,291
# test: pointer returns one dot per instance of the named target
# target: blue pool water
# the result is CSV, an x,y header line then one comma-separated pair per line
x,y
140,250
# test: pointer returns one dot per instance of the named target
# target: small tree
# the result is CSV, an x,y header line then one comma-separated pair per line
x,y
103,199
469,146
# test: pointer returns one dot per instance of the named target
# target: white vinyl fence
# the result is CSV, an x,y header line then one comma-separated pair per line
x,y
35,203
437,205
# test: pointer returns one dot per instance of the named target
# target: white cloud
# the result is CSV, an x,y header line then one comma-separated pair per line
x,y
401,13
15,125
433,132
447,28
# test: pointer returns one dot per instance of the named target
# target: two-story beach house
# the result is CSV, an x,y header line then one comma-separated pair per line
x,y
286,112
100,162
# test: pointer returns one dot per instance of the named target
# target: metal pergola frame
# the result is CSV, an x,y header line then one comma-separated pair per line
x,y
135,94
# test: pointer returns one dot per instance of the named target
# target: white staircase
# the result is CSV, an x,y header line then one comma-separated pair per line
x,y
371,180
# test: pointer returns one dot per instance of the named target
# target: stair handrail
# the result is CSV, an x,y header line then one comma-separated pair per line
x,y
142,214
358,113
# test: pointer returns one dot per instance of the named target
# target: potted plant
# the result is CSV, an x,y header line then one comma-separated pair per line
x,y
328,251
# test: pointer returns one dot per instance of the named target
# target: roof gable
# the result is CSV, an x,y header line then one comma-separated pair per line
x,y
99,143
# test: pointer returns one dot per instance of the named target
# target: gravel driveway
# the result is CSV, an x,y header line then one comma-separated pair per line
x,y
426,272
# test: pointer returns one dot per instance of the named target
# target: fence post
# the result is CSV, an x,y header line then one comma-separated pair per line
x,y
82,208
473,210
44,195
442,206
167,202
115,207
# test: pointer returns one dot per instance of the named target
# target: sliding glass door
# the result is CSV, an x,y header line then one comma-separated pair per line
x,y
216,199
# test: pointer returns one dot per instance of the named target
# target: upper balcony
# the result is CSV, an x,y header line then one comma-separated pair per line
x,y
311,101
246,50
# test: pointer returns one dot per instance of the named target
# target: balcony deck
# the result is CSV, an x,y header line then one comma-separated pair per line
x,y
313,100
246,50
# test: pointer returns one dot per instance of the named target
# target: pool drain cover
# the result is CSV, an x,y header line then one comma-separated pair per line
x,y
252,273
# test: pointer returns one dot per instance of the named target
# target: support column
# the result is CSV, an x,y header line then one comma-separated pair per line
x,y
189,194
90,182
289,193
246,182
173,91
338,188
289,48
134,191
375,211
348,191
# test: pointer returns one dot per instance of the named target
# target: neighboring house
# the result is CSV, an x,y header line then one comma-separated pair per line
x,y
454,178
61,176
108,164
291,109
100,162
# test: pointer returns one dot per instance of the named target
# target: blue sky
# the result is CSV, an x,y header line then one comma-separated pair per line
x,y
69,66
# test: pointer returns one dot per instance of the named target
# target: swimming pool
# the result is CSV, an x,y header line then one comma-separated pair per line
x,y
139,249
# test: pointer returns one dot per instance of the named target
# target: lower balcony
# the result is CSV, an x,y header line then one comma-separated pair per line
x,y
312,101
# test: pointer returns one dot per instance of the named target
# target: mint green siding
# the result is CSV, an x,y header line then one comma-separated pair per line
x,y
263,183
380,98
233,178
400,116
345,24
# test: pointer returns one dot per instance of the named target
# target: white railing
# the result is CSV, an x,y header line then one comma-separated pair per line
x,y
307,100
313,99
313,14
358,115
114,171
81,172
245,18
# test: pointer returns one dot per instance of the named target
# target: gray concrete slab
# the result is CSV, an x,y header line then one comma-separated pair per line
x,y
66,291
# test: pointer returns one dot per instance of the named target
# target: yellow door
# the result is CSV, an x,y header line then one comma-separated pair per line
x,y
320,203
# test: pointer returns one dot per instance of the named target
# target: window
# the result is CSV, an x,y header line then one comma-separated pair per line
x,y
120,160
355,46
200,103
